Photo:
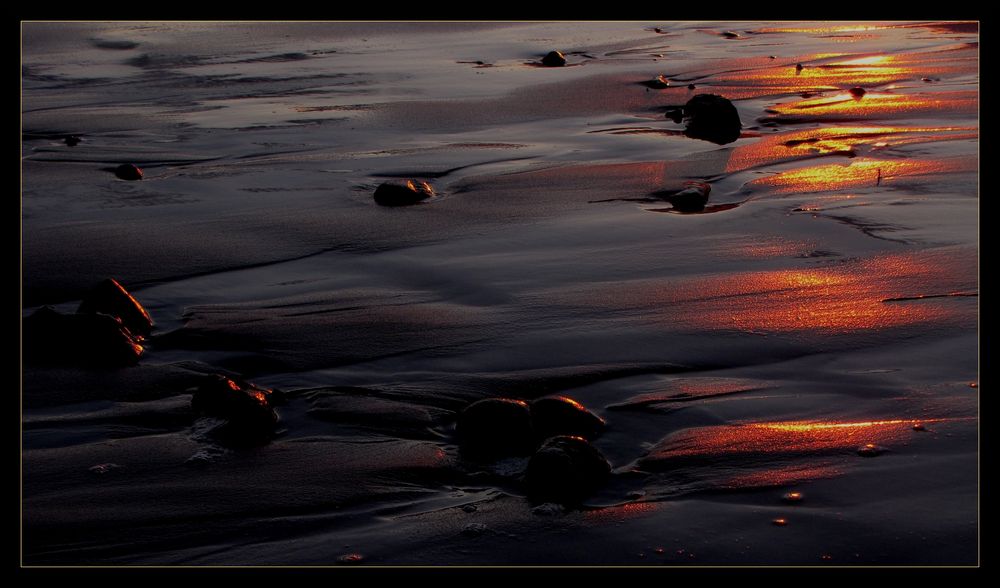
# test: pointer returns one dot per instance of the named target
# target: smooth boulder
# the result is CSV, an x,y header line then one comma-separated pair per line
x,y
111,298
127,171
247,409
711,117
496,427
554,59
565,469
560,415
100,340
403,193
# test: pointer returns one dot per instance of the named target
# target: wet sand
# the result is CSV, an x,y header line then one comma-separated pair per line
x,y
825,300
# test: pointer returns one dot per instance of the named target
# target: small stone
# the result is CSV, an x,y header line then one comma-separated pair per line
x,y
72,140
692,198
792,497
565,469
798,67
246,409
351,558
691,86
496,427
403,193
919,427
548,509
469,508
870,450
779,522
731,35
973,384
474,529
561,415
111,298
104,468
772,56
657,83
659,551
857,91
554,59
127,171
926,80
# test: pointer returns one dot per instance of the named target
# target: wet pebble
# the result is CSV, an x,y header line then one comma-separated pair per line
x,y
857,91
565,469
402,193
72,140
779,522
919,427
351,558
104,468
657,83
692,198
798,67
474,529
554,59
870,450
127,171
731,35
469,508
792,497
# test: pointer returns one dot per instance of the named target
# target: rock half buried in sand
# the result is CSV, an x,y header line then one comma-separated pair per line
x,y
496,427
554,59
51,337
403,193
712,118
657,83
559,415
565,469
127,171
111,298
246,408
692,198
857,91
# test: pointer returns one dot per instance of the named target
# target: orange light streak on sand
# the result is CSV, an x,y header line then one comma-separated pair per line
x,y
861,172
782,438
844,106
835,141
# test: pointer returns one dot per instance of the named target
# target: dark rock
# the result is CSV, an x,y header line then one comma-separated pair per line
x,y
127,171
691,86
870,450
559,415
798,67
657,83
554,59
403,193
246,409
675,113
51,337
72,140
692,198
731,35
111,298
565,469
857,92
496,427
712,118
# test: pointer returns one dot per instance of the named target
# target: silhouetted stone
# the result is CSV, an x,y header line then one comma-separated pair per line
x,y
712,118
731,35
565,469
496,427
127,171
857,92
559,415
692,198
72,140
657,83
110,297
554,59
247,409
403,193
51,337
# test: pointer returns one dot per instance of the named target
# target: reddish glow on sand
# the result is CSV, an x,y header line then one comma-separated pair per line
x,y
782,476
880,105
836,141
621,512
233,385
779,439
860,172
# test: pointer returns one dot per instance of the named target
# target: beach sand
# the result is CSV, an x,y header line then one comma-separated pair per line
x,y
826,299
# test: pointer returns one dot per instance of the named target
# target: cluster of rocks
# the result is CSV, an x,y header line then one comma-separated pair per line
x,y
555,431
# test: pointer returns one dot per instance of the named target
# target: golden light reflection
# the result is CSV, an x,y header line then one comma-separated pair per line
x,y
782,476
860,172
843,106
836,141
622,512
781,439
